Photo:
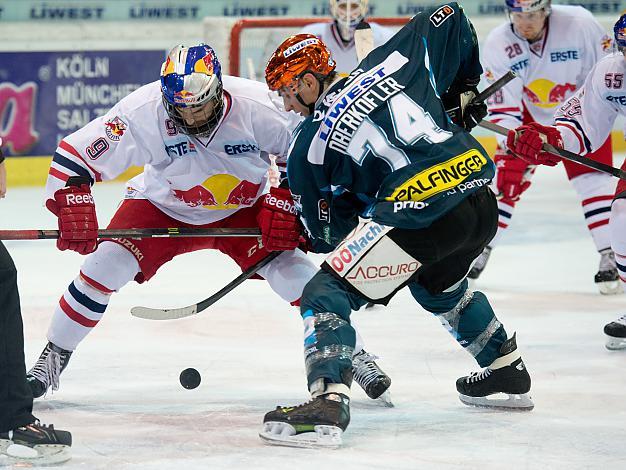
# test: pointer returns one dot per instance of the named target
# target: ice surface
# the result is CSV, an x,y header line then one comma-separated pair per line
x,y
121,399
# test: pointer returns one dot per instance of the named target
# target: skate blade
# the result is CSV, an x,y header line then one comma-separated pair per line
x,y
20,455
284,434
610,287
385,399
615,344
513,402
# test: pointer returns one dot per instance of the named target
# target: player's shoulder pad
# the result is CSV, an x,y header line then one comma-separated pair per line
x,y
142,98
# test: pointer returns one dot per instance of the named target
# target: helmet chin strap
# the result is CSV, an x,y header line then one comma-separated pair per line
x,y
311,106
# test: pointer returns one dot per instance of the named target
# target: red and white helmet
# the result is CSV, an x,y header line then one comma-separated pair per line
x,y
347,15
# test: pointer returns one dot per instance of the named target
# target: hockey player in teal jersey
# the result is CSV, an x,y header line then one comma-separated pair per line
x,y
378,146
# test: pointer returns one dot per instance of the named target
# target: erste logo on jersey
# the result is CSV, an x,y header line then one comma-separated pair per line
x,y
243,147
114,128
181,148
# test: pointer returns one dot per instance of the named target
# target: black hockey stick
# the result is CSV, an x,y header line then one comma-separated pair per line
x,y
137,233
565,154
174,313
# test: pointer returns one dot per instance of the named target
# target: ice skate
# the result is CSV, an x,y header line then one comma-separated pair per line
x,y
506,375
371,378
34,444
319,422
47,370
607,277
616,334
479,264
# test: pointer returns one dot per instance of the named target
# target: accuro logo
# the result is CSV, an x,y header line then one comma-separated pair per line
x,y
300,45
438,178
441,15
345,256
114,128
384,272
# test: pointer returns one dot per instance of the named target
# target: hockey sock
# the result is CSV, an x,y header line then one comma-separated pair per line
x,y
595,191
617,228
468,317
85,300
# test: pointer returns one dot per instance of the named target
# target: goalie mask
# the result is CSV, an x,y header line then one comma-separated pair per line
x,y
347,15
191,84
620,34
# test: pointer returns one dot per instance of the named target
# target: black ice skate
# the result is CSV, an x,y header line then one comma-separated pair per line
x,y
47,370
34,444
607,277
479,265
616,334
371,378
319,422
506,375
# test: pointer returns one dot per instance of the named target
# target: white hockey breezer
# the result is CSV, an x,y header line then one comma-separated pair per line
x,y
284,434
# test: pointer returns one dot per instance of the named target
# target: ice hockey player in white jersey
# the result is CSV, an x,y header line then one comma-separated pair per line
x,y
581,125
205,152
552,63
338,35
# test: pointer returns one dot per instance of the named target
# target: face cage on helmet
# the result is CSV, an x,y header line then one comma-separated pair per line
x,y
201,130
346,28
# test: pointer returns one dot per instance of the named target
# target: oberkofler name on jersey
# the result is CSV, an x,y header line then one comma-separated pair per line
x,y
362,95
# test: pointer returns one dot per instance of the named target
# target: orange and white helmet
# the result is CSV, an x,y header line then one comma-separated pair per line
x,y
296,56
347,15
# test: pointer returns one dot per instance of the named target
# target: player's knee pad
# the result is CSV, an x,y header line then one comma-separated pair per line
x,y
617,226
325,293
109,268
469,318
594,184
288,274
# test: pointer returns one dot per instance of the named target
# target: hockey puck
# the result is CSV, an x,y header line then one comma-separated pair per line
x,y
190,378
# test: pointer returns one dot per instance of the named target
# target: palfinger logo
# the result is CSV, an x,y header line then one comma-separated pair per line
x,y
219,192
438,178
547,94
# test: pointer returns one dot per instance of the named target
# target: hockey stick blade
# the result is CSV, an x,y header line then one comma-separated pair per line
x,y
363,40
175,313
566,154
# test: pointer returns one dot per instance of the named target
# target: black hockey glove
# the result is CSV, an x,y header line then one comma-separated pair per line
x,y
460,107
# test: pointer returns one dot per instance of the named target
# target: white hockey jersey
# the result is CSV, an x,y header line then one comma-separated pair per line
x,y
194,180
586,119
549,71
345,54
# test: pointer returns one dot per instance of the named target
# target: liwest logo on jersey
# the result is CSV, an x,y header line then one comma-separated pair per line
x,y
438,178
244,147
180,148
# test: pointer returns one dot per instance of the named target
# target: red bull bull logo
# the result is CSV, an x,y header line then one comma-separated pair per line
x,y
547,94
220,192
114,128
